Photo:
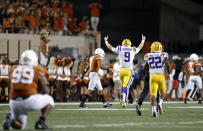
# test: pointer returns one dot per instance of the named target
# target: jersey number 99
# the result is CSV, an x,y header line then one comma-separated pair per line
x,y
23,75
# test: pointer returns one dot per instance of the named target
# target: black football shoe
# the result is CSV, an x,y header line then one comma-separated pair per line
x,y
107,105
7,122
40,125
82,105
199,101
138,109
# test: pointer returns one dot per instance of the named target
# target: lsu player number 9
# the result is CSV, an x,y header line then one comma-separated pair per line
x,y
126,55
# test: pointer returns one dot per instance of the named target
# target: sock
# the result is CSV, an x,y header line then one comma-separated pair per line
x,y
125,90
187,93
86,96
42,118
153,108
139,103
102,99
81,98
160,101
121,93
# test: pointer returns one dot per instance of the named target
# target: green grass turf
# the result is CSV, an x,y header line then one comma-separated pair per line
x,y
176,117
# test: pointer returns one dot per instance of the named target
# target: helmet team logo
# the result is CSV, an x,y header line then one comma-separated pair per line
x,y
156,47
126,42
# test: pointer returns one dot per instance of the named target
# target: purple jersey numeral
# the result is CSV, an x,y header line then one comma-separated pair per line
x,y
155,62
127,56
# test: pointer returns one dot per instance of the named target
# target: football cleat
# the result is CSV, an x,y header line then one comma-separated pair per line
x,y
107,105
7,122
123,100
82,105
40,125
185,101
160,109
138,110
154,114
199,101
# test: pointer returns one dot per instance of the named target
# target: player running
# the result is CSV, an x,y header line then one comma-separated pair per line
x,y
155,62
94,79
126,55
194,72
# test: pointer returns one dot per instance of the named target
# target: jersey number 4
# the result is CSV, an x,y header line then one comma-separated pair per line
x,y
155,62
23,75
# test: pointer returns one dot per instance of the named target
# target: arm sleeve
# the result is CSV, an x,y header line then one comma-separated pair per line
x,y
137,50
115,50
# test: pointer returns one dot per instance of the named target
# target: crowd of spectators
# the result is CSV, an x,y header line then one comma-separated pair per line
x,y
31,16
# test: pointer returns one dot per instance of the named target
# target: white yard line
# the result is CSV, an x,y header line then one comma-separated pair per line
x,y
99,109
188,107
132,124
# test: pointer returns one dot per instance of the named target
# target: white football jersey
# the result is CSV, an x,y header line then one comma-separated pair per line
x,y
155,61
4,70
126,55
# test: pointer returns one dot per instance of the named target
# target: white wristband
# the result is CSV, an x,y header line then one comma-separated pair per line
x,y
106,41
142,41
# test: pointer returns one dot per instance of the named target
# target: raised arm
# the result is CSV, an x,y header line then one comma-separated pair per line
x,y
107,43
142,42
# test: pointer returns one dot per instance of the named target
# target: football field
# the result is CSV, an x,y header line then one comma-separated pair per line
x,y
69,117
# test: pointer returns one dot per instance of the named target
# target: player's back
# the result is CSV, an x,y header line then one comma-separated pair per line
x,y
193,67
156,62
126,56
95,63
4,69
24,80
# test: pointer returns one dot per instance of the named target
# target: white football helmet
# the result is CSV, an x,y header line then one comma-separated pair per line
x,y
29,57
100,52
194,57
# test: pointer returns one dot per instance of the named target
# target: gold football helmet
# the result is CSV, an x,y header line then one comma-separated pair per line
x,y
156,46
126,42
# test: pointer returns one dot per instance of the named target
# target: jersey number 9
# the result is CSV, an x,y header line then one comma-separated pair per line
x,y
127,56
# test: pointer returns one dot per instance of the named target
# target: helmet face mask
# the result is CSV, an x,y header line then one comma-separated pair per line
x,y
100,52
126,42
156,47
194,57
29,57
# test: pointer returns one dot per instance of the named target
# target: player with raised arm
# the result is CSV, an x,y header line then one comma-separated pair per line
x,y
155,62
28,92
126,55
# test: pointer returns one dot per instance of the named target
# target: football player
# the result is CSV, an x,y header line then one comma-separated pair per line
x,y
4,80
194,71
94,80
28,93
126,55
155,62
